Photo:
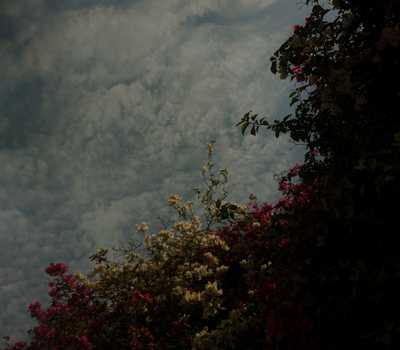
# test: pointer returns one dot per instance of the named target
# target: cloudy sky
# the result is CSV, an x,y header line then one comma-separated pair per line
x,y
106,108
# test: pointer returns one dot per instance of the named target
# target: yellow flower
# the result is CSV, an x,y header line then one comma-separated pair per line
x,y
222,269
192,297
210,149
210,258
189,206
143,227
211,288
174,200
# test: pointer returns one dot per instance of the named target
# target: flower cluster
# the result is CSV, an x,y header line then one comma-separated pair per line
x,y
138,296
195,286
299,73
56,269
297,28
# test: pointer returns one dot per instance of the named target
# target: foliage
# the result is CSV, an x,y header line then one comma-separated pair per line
x,y
319,269
344,61
211,287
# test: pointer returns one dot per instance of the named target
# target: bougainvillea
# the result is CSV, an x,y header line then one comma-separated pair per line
x,y
202,283
318,269
344,62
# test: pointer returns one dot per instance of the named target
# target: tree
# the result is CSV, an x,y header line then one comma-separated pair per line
x,y
345,60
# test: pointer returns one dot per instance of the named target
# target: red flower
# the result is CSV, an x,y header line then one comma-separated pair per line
x,y
285,202
70,280
44,331
137,296
296,28
53,292
147,298
136,344
272,327
19,345
314,152
36,311
297,70
295,170
84,342
56,269
57,309
283,243
284,186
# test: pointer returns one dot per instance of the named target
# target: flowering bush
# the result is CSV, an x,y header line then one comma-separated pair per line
x,y
345,62
216,283
318,269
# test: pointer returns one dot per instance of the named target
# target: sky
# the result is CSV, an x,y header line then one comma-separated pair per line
x,y
106,109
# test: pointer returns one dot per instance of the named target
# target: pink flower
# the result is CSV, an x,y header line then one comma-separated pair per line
x,y
284,186
283,223
267,289
283,243
56,269
137,296
274,327
136,344
295,170
285,202
314,152
84,342
84,291
252,206
19,345
70,280
53,292
36,311
44,331
302,199
147,298
297,70
296,28
57,309
267,207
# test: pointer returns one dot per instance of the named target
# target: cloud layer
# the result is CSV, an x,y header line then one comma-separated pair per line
x,y
106,109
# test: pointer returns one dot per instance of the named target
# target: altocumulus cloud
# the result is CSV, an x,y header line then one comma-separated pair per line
x,y
106,108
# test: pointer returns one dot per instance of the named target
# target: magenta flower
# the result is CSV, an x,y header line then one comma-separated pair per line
x,y
137,296
284,186
19,345
296,28
56,269
57,309
147,298
84,342
285,202
283,243
284,223
44,331
53,292
314,152
295,170
297,70
70,280
36,311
